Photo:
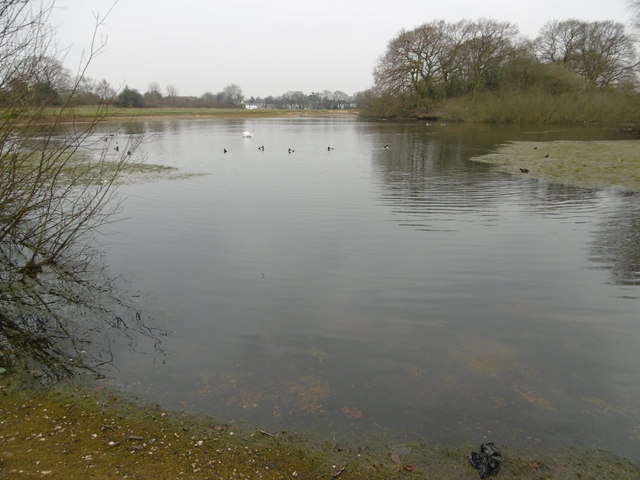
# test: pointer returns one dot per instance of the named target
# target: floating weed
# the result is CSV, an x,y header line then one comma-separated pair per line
x,y
486,357
590,164
534,398
308,393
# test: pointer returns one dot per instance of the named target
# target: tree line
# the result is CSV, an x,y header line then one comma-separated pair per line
x,y
49,83
438,61
232,96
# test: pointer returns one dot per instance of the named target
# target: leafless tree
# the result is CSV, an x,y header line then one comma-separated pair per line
x,y
438,57
172,91
634,8
599,52
54,198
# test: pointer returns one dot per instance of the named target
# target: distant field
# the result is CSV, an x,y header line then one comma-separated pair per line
x,y
89,112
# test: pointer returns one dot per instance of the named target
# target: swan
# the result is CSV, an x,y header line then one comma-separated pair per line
x,y
247,134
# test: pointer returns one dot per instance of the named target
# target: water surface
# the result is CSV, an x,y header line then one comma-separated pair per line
x,y
383,294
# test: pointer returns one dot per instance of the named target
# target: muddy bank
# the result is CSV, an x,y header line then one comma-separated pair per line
x,y
589,164
72,432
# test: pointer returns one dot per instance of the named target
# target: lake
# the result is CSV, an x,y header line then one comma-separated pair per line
x,y
380,295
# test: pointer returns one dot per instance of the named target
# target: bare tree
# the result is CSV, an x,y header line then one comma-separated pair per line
x,y
436,58
54,197
600,52
233,94
634,8
172,91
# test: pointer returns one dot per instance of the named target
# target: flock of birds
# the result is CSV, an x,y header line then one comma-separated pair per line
x,y
248,134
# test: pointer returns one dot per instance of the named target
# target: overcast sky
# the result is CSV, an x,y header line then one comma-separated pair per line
x,y
269,47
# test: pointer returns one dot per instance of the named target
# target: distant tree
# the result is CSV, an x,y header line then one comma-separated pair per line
x,y
438,60
208,99
172,91
129,98
341,100
104,90
269,102
295,100
233,94
600,52
45,83
487,45
152,97
415,59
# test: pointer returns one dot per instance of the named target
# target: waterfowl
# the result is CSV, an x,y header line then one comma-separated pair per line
x,y
247,134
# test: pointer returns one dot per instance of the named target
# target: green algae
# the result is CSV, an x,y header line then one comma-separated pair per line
x,y
589,164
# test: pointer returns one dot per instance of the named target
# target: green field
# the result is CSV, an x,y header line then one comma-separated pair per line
x,y
114,113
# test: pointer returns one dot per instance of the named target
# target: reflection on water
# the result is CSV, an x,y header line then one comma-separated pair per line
x,y
616,243
383,293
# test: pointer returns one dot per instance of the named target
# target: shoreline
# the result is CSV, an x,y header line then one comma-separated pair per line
x,y
71,431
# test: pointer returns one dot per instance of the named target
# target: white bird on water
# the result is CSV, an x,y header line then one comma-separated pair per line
x,y
247,134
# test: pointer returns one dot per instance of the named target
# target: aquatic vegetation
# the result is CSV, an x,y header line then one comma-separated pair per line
x,y
534,398
308,392
302,394
591,164
319,355
351,412
486,357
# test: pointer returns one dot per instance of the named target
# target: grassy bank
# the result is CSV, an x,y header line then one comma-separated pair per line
x,y
595,164
88,113
71,432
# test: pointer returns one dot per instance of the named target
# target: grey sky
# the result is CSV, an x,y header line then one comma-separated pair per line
x,y
270,47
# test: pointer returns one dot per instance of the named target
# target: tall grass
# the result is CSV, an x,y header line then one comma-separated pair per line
x,y
533,106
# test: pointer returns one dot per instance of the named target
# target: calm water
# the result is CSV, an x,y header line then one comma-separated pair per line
x,y
382,294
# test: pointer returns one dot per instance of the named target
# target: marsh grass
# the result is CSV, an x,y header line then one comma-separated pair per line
x,y
591,164
536,107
